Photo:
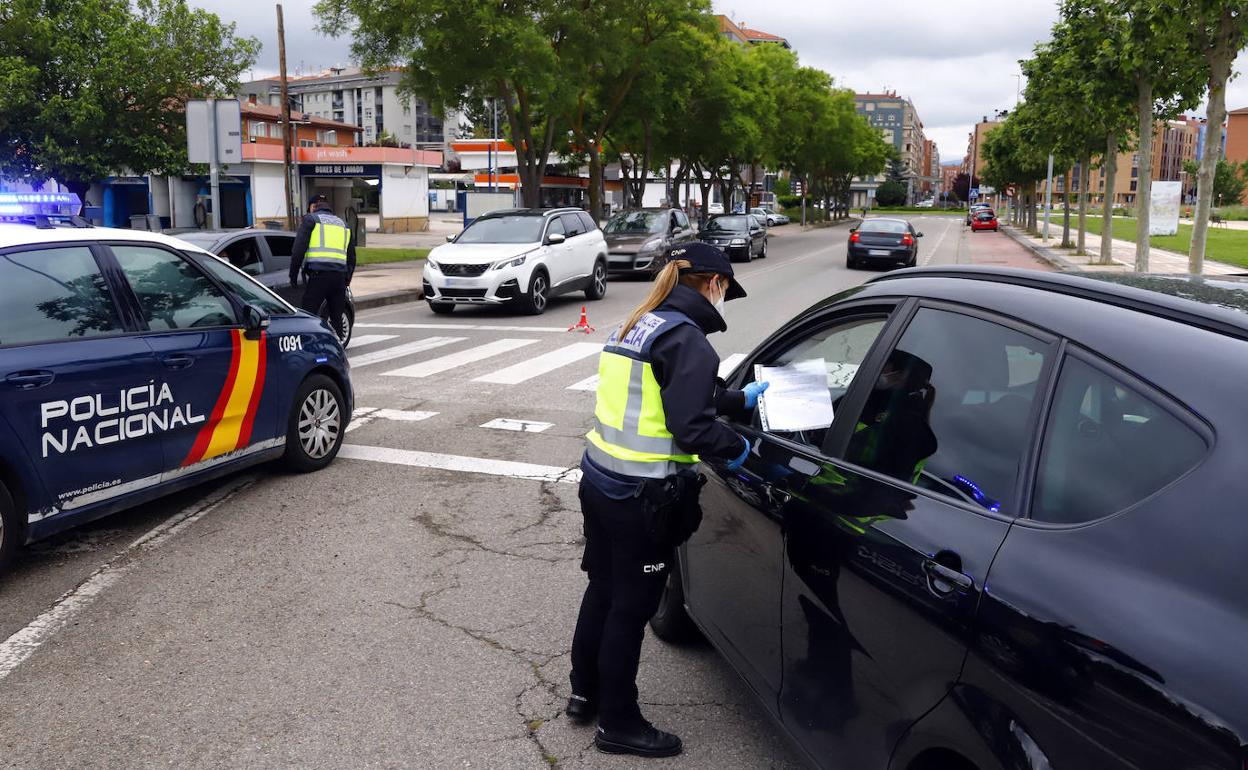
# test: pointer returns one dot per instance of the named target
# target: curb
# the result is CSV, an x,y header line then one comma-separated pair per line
x,y
389,298
1042,252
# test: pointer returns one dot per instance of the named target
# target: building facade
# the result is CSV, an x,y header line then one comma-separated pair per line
x,y
898,122
370,101
1175,143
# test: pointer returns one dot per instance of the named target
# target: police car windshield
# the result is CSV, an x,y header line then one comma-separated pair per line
x,y
635,222
512,228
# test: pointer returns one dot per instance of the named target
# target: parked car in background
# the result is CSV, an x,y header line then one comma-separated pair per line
x,y
741,236
520,257
265,255
974,209
1013,543
714,208
771,218
637,238
926,204
883,241
985,220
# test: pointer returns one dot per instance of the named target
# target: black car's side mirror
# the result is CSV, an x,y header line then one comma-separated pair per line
x,y
853,229
255,321
918,235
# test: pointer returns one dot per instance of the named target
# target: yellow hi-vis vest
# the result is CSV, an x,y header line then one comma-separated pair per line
x,y
630,434
327,248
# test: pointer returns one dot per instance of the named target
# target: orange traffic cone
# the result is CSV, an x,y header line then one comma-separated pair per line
x,y
583,324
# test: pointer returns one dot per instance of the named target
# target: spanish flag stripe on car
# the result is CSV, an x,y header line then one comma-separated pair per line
x,y
229,427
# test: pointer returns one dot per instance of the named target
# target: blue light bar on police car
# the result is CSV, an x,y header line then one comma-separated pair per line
x,y
31,204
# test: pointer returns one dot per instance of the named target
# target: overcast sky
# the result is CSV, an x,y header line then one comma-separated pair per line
x,y
955,59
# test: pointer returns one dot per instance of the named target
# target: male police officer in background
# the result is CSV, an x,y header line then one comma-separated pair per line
x,y
325,251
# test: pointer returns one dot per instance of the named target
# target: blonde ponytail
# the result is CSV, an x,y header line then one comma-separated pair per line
x,y
666,280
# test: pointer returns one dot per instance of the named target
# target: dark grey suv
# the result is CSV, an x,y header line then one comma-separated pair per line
x,y
637,238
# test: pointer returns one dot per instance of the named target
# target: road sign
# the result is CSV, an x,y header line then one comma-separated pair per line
x,y
974,193
214,135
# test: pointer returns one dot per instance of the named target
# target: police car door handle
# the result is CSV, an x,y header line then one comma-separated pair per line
x,y
177,361
30,380
943,580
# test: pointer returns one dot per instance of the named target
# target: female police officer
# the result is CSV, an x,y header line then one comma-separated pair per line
x,y
658,397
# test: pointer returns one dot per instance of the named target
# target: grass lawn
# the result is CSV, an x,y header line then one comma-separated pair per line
x,y
1223,244
369,255
917,210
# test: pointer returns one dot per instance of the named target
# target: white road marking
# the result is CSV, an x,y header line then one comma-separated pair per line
x,y
543,364
932,254
507,468
369,339
364,415
398,351
728,364
476,327
15,650
589,383
521,426
455,360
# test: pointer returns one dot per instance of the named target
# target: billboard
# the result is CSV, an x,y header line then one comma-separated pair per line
x,y
1163,217
199,131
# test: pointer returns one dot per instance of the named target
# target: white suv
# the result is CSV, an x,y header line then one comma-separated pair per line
x,y
520,256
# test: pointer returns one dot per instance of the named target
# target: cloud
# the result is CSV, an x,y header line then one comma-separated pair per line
x,y
306,49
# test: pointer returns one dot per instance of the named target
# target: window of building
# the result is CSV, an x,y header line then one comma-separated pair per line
x,y
1100,446
54,294
1134,183
870,107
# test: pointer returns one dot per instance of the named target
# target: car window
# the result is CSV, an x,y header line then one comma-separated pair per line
x,y
504,228
244,254
54,294
727,224
884,226
556,227
572,225
587,222
840,349
247,290
682,220
172,293
280,245
950,410
634,223
1107,446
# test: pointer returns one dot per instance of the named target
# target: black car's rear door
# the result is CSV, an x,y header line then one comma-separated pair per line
x,y
734,564
888,554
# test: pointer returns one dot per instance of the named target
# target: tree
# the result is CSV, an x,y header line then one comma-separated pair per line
x,y
890,193
1219,31
76,107
897,171
961,186
1230,181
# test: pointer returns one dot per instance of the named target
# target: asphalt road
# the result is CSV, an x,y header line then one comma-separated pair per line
x,y
413,604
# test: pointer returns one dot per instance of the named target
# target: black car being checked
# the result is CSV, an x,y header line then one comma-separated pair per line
x,y
741,236
1016,539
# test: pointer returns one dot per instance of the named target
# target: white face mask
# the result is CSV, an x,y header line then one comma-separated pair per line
x,y
719,304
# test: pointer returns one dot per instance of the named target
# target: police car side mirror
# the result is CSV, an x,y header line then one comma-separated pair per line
x,y
255,320
556,238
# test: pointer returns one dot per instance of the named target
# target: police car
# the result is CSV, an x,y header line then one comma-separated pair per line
x,y
133,364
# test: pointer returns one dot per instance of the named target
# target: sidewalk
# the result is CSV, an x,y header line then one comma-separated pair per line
x,y
441,224
1123,254
387,284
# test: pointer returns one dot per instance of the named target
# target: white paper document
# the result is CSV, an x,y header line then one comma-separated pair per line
x,y
798,397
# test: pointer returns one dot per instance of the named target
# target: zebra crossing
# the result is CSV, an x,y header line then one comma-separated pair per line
x,y
472,359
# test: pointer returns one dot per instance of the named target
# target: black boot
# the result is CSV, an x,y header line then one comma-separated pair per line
x,y
581,710
644,741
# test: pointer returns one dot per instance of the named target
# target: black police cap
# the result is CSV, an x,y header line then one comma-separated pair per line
x,y
705,258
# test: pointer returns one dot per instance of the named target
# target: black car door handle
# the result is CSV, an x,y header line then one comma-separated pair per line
x,y
177,361
942,580
776,495
31,379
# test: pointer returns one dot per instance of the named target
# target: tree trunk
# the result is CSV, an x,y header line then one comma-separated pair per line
x,y
1085,177
1110,164
1220,63
1066,211
595,181
1144,182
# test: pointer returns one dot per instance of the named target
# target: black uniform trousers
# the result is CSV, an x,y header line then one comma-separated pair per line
x,y
326,287
627,572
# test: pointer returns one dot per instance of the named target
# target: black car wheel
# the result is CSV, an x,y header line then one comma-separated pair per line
x,y
534,301
763,254
671,622
9,531
597,288
316,425
442,308
851,263
348,323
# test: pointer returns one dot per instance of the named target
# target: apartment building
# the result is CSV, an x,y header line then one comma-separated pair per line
x,y
898,122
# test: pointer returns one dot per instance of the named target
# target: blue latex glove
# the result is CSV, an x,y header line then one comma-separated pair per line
x,y
753,391
736,463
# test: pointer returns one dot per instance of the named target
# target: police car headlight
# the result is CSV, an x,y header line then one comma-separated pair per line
x,y
517,262
737,242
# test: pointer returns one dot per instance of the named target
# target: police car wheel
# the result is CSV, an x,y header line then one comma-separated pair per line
x,y
316,425
671,622
9,531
